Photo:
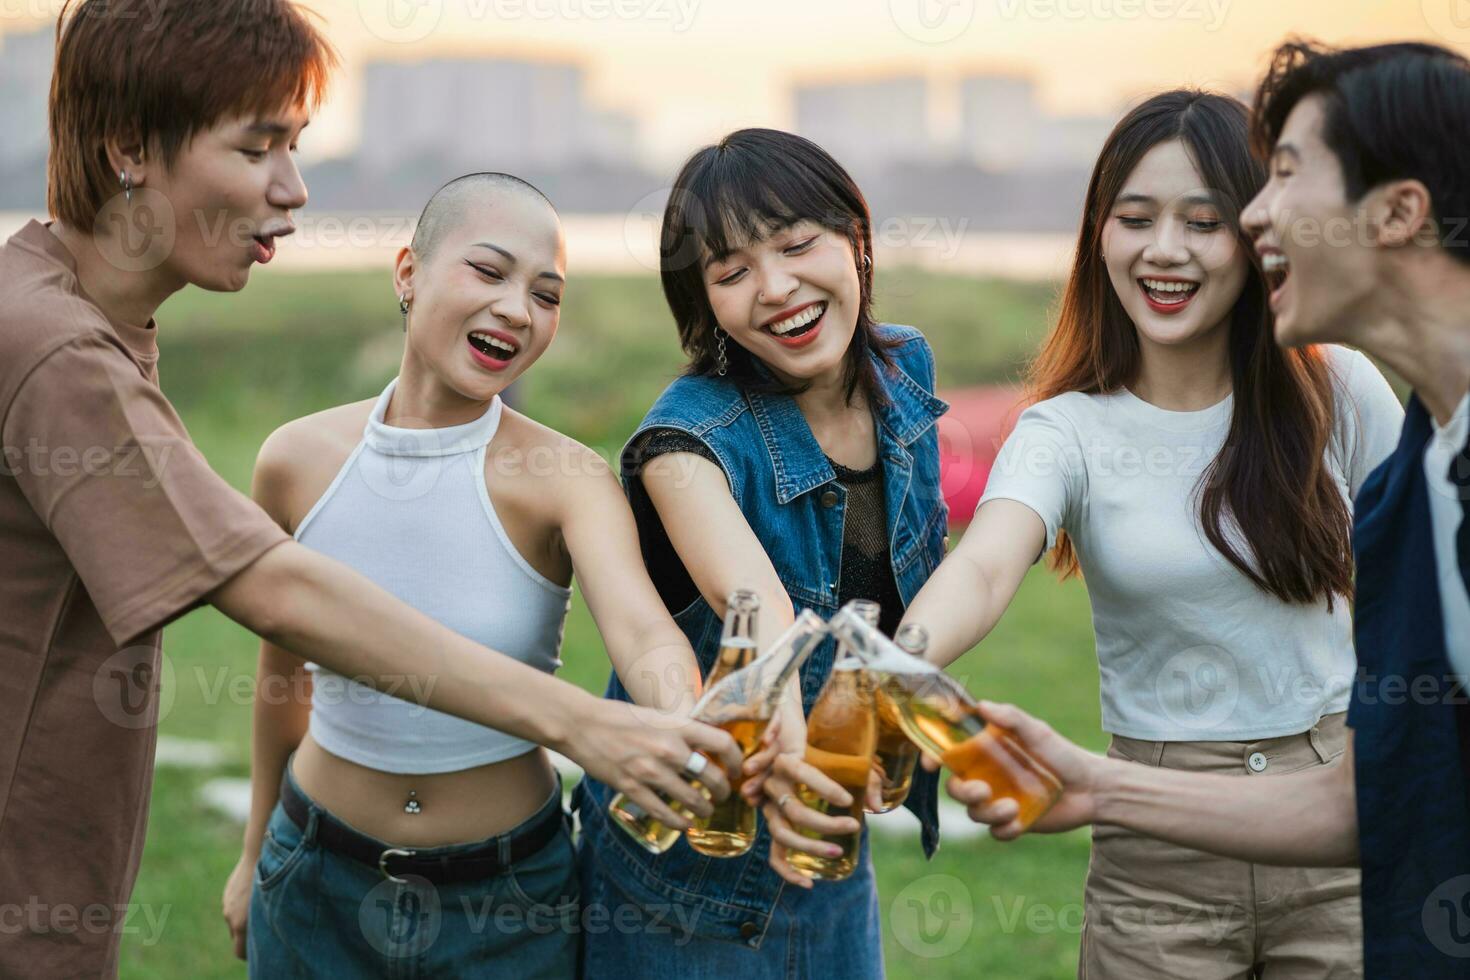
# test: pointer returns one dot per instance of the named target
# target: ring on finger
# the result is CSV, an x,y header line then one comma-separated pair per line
x,y
694,768
781,803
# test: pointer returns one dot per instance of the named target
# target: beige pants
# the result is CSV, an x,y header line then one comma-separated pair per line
x,y
1157,911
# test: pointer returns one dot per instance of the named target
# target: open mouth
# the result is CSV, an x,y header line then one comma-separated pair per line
x,y
1168,295
1276,268
263,248
492,350
800,326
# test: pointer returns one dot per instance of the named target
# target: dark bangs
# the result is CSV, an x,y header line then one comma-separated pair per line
x,y
750,185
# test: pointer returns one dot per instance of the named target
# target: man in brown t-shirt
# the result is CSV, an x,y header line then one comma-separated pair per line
x,y
112,523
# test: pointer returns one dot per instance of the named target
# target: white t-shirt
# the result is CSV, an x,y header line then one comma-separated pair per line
x,y
1445,513
1188,647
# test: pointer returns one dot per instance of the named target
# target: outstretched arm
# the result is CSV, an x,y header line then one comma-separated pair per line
x,y
320,610
649,651
971,588
722,553
1300,819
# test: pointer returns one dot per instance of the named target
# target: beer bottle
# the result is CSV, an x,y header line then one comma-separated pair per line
x,y
841,736
897,754
730,830
741,703
941,717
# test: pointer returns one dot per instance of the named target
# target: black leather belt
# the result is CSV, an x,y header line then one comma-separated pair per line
x,y
397,862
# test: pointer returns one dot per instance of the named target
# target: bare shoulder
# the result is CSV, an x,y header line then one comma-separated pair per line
x,y
299,460
535,476
553,465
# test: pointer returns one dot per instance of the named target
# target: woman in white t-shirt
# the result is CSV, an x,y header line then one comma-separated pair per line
x,y
1201,479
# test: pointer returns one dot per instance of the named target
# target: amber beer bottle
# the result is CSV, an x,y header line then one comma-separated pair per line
x,y
841,736
941,717
730,830
744,700
897,754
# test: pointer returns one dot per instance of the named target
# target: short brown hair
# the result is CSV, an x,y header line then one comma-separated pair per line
x,y
161,72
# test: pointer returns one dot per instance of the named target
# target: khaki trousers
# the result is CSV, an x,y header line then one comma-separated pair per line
x,y
1157,911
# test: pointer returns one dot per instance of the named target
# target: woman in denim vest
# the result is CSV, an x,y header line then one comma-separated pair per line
x,y
797,457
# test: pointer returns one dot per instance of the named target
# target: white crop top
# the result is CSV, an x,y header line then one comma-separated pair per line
x,y
410,510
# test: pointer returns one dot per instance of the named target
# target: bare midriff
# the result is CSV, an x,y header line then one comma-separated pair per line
x,y
453,807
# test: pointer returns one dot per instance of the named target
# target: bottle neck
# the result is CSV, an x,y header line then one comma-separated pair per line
x,y
739,625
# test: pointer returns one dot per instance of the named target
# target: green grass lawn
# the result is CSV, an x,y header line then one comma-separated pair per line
x,y
239,366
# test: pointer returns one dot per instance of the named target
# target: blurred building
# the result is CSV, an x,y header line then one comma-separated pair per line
x,y
1003,127
25,82
868,125
487,114
998,120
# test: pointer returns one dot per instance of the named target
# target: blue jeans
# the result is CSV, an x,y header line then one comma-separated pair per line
x,y
833,930
317,913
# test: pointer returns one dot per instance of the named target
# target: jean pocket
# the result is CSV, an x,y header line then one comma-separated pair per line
x,y
280,851
546,882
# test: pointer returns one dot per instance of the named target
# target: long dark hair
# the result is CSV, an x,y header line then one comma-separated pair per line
x,y
1270,479
741,189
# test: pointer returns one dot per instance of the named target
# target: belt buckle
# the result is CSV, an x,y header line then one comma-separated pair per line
x,y
383,863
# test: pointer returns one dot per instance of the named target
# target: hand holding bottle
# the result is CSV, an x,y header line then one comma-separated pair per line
x,y
1079,771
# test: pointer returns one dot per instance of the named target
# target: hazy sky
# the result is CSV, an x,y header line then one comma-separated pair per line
x,y
693,69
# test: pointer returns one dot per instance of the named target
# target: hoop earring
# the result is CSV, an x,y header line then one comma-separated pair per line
x,y
867,263
722,363
127,185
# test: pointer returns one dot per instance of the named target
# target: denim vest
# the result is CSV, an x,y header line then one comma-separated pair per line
x,y
788,492
1410,724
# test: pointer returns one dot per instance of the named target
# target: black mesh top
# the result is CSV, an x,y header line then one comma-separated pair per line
x,y
866,572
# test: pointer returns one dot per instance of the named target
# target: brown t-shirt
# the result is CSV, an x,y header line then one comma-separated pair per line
x,y
111,525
